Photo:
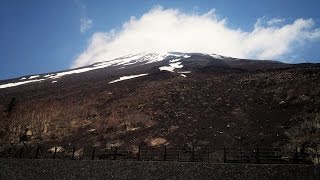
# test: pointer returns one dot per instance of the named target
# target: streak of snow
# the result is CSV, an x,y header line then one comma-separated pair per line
x,y
127,77
54,81
175,60
145,58
176,65
166,68
24,78
120,61
51,76
176,55
2,86
183,75
151,58
77,71
171,67
129,63
32,77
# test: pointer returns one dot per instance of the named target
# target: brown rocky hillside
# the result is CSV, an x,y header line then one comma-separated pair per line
x,y
220,102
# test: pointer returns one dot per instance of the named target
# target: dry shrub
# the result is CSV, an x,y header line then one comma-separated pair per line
x,y
137,120
47,119
127,119
305,137
156,141
134,149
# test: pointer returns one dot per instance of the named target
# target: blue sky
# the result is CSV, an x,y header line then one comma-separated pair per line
x,y
38,36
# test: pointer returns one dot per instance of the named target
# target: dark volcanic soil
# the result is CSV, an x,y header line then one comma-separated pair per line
x,y
247,103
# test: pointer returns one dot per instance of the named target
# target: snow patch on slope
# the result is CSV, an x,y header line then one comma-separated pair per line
x,y
19,83
175,60
33,77
171,67
76,71
144,58
127,77
216,56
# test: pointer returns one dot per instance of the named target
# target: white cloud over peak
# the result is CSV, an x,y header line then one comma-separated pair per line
x,y
163,30
85,24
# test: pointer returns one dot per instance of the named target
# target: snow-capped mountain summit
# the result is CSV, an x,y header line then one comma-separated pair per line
x,y
171,61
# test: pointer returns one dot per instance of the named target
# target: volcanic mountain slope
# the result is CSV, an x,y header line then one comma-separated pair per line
x,y
170,98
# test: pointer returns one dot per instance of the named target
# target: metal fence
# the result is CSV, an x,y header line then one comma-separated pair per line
x,y
167,153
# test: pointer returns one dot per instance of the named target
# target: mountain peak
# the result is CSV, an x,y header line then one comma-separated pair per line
x,y
165,61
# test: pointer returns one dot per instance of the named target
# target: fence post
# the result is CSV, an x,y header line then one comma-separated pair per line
x,y
240,154
192,157
73,151
165,153
37,152
55,152
139,151
296,156
21,152
93,152
208,154
258,156
317,154
224,154
115,153
83,153
11,152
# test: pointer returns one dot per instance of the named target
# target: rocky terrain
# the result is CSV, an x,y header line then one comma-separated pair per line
x,y
174,99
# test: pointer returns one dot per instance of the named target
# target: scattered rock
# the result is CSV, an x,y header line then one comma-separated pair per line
x,y
78,153
282,102
59,149
157,141
91,130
